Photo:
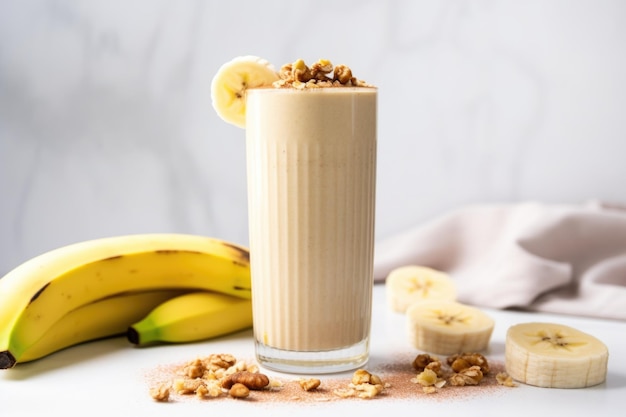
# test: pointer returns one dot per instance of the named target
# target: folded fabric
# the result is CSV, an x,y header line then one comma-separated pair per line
x,y
565,259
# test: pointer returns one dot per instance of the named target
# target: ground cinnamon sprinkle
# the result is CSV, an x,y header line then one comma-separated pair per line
x,y
398,377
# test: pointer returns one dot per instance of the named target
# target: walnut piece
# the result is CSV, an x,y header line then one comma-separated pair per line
x,y
204,376
309,384
210,388
187,386
363,385
505,379
160,393
426,378
252,380
342,74
321,69
425,361
239,390
219,361
470,376
466,360
194,369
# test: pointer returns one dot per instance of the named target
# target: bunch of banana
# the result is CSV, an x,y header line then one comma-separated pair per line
x,y
99,288
107,317
554,356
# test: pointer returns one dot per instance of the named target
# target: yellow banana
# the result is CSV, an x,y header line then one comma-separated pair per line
x,y
98,320
39,292
192,317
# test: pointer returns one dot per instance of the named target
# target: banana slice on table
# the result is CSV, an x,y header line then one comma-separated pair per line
x,y
412,283
448,327
554,356
229,85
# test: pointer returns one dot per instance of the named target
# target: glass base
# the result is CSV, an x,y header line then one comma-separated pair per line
x,y
321,362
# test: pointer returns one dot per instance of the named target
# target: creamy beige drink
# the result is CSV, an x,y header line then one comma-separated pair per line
x,y
311,154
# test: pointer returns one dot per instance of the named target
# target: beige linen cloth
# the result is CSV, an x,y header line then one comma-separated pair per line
x,y
565,259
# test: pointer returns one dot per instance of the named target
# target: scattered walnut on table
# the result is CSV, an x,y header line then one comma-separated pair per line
x,y
462,361
187,385
252,380
505,379
309,384
216,375
363,385
161,392
239,390
425,361
469,376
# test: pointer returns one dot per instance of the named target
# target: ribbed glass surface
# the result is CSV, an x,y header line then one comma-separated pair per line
x,y
311,173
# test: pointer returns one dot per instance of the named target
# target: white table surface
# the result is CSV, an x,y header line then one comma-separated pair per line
x,y
108,377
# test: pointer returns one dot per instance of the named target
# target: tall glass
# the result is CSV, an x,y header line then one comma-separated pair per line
x,y
311,158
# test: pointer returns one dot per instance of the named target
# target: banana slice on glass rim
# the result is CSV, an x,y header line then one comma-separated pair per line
x,y
414,283
554,356
232,79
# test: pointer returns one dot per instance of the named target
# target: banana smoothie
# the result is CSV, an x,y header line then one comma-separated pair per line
x,y
311,166
311,155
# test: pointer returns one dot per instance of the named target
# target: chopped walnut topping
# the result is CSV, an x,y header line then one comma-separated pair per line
x,y
300,76
321,69
343,74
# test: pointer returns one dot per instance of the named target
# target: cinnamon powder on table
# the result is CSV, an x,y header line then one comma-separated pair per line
x,y
398,378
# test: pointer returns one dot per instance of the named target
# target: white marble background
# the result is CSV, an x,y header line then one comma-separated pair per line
x,y
106,125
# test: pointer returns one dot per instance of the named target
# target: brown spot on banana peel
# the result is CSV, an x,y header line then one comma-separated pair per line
x,y
113,258
38,293
243,253
244,260
175,251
